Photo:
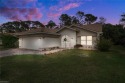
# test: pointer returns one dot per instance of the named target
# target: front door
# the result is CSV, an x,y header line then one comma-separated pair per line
x,y
65,42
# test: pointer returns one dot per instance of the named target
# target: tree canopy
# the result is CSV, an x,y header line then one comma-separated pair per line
x,y
122,20
102,20
80,18
65,19
89,18
116,33
51,24
19,26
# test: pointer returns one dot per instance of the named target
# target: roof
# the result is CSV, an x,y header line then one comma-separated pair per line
x,y
91,27
38,31
67,28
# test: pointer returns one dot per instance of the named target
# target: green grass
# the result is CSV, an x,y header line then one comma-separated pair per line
x,y
71,66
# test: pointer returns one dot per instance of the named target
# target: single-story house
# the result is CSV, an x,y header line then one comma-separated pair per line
x,y
64,37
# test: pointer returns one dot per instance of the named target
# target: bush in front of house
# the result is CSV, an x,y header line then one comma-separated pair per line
x,y
104,45
9,41
122,42
78,46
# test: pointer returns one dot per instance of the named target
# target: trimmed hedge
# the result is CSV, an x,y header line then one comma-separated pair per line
x,y
9,41
78,46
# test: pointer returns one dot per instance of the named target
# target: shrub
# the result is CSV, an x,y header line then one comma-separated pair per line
x,y
78,46
9,41
104,45
122,42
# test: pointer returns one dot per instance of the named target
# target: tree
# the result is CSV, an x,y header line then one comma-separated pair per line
x,y
51,24
114,32
65,20
37,24
122,20
19,26
102,20
89,18
80,16
74,20
104,45
9,41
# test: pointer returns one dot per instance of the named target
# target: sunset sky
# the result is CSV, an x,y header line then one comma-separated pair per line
x,y
45,10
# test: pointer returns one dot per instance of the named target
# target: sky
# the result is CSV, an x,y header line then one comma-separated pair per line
x,y
45,10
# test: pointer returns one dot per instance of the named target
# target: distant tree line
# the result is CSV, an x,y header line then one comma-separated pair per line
x,y
19,26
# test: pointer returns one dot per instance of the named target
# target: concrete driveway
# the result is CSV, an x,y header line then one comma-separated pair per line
x,y
18,51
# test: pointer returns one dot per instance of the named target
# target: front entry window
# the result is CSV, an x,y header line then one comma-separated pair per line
x,y
86,40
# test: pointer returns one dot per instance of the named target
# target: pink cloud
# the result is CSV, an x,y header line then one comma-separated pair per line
x,y
69,6
53,8
21,13
53,15
59,9
17,3
20,10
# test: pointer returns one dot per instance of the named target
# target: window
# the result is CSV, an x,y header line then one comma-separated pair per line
x,y
89,40
83,40
86,40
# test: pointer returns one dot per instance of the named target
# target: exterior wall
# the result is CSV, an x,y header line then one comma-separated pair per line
x,y
71,34
38,42
87,33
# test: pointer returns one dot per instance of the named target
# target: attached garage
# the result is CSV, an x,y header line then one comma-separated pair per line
x,y
38,42
38,39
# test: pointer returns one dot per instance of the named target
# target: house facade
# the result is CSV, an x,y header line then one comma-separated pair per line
x,y
65,37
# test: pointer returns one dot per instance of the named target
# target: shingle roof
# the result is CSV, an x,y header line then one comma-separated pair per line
x,y
38,31
91,27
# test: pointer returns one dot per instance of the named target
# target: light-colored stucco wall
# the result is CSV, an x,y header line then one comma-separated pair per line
x,y
83,32
71,34
38,42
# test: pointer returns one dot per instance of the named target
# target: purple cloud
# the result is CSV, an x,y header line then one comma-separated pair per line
x,y
21,13
53,15
18,3
60,8
69,6
20,10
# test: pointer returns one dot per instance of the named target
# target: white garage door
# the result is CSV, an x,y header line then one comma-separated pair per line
x,y
32,43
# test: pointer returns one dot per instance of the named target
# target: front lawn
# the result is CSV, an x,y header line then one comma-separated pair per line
x,y
71,66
